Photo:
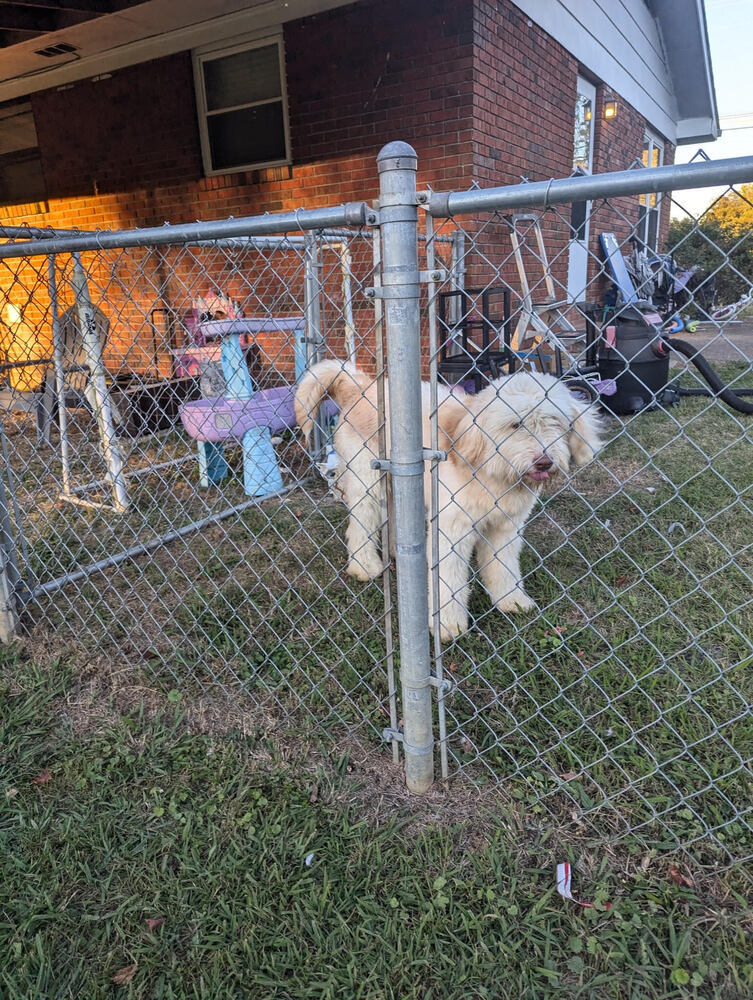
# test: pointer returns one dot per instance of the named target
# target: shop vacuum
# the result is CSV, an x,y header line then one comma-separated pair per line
x,y
635,347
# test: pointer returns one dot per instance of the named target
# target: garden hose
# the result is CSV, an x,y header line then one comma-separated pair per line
x,y
717,388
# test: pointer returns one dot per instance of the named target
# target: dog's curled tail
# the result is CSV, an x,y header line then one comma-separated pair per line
x,y
335,380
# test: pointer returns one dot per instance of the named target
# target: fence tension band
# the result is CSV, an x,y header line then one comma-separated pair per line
x,y
384,465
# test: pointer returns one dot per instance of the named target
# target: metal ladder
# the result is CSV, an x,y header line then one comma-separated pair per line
x,y
545,322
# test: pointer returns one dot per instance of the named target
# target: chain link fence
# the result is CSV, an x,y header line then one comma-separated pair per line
x,y
583,639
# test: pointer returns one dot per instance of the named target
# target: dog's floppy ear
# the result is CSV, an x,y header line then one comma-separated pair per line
x,y
584,438
459,433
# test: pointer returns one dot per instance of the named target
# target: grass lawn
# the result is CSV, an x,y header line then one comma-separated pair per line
x,y
623,702
144,846
611,728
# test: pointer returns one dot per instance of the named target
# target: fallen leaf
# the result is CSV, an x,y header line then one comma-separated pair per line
x,y
452,667
154,922
314,794
11,793
43,778
621,581
569,775
678,878
123,976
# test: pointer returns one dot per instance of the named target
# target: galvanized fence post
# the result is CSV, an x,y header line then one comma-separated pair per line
x,y
9,575
398,212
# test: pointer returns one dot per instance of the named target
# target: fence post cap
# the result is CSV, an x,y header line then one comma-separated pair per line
x,y
396,151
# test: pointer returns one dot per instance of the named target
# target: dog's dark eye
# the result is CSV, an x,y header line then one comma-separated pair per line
x,y
514,427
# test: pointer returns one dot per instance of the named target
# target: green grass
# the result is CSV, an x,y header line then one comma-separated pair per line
x,y
140,817
633,679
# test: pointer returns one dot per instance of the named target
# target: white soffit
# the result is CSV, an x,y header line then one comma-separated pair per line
x,y
136,34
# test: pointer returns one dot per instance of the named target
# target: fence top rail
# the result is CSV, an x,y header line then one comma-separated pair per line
x,y
40,233
352,214
542,194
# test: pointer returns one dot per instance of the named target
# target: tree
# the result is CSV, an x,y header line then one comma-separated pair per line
x,y
720,243
734,212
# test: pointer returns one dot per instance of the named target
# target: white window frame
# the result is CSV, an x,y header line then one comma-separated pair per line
x,y
207,54
653,141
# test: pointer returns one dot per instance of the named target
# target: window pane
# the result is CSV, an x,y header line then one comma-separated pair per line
x,y
242,78
641,228
578,220
17,130
21,179
653,228
249,135
582,143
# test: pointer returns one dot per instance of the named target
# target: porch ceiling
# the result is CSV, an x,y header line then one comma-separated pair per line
x,y
48,43
24,20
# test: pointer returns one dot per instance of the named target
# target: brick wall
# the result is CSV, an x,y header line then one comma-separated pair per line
x,y
481,92
124,151
524,97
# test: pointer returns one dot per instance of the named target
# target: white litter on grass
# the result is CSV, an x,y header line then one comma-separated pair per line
x,y
650,489
674,526
564,886
309,859
607,524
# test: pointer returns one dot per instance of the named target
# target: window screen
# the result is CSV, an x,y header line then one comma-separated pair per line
x,y
650,204
21,178
244,109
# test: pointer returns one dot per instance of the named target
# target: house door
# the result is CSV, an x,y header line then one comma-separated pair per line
x,y
583,148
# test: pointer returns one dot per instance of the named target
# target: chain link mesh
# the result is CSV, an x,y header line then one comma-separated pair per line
x,y
618,693
592,632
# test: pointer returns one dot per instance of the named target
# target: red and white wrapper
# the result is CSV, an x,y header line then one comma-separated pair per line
x,y
564,885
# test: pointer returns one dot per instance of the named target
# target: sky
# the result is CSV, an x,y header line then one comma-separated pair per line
x,y
730,25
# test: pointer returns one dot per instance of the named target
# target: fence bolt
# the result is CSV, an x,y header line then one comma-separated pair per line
x,y
398,214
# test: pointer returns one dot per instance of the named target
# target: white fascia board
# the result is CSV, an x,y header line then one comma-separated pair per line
x,y
697,130
576,26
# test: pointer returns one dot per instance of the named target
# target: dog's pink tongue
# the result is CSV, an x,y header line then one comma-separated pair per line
x,y
539,476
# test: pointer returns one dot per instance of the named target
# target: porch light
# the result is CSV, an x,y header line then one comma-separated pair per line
x,y
610,109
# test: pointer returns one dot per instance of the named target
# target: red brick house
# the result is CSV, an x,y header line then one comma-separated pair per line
x,y
116,113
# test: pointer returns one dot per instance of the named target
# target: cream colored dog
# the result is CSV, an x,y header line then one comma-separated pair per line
x,y
503,444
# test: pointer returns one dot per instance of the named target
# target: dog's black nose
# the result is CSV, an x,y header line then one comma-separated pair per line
x,y
543,464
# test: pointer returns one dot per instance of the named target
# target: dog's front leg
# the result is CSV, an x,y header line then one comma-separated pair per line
x,y
361,490
454,559
498,556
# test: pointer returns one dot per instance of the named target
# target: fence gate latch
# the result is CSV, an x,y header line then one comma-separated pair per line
x,y
392,735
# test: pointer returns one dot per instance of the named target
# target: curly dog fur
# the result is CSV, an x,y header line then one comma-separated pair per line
x,y
503,444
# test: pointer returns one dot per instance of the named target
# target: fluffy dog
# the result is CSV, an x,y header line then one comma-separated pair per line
x,y
503,444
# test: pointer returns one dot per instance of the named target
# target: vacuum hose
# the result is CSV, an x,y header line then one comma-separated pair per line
x,y
717,387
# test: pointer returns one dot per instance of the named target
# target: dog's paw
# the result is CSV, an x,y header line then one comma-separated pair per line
x,y
364,569
449,630
516,600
